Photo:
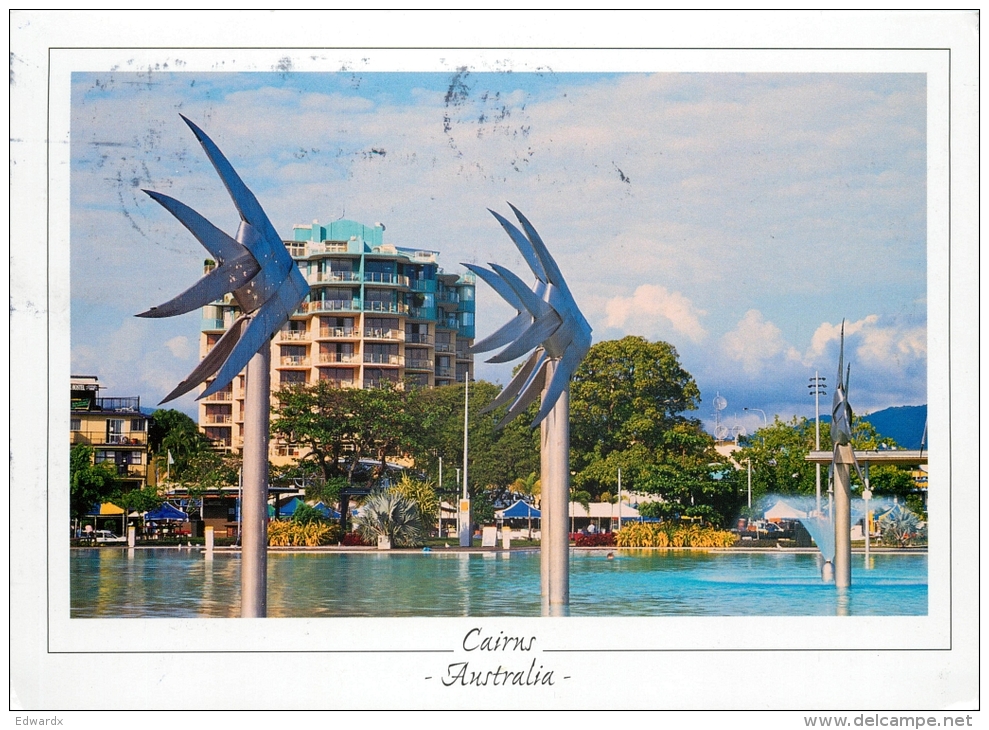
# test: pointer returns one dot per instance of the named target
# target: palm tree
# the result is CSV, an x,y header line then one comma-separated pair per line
x,y
528,487
387,514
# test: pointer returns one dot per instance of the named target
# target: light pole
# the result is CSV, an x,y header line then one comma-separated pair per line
x,y
765,422
748,460
818,387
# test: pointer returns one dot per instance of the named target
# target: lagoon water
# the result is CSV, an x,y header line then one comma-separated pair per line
x,y
182,583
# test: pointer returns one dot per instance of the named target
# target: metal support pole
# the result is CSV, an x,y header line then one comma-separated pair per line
x,y
843,518
866,496
254,550
555,475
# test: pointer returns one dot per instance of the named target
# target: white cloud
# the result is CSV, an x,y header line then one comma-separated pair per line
x,y
754,341
649,302
180,347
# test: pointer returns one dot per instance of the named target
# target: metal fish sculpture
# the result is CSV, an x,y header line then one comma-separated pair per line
x,y
255,267
841,411
548,320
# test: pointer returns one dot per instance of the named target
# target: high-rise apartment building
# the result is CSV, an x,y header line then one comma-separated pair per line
x,y
375,313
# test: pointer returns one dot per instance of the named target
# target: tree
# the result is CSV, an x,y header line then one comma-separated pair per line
x,y
207,471
388,514
89,483
628,392
422,493
173,432
627,401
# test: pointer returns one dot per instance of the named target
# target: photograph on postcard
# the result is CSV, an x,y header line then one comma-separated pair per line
x,y
691,380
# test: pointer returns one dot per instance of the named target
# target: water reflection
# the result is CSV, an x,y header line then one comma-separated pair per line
x,y
182,583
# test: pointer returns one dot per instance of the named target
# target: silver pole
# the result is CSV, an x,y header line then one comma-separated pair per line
x,y
817,437
619,499
866,496
842,518
466,388
555,458
254,544
749,461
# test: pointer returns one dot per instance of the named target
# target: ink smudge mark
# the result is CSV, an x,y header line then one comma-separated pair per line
x,y
622,176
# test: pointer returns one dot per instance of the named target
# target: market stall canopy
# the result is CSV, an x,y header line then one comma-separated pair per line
x,y
165,511
520,510
107,508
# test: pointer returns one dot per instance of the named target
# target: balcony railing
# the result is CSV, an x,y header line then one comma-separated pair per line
x,y
422,312
418,364
219,419
295,361
337,383
223,395
391,307
327,247
330,332
447,297
330,305
445,347
444,372
375,277
326,277
99,438
380,333
377,359
466,332
211,325
420,338
293,335
423,285
329,358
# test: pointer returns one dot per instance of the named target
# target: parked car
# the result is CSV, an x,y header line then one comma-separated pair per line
x,y
107,536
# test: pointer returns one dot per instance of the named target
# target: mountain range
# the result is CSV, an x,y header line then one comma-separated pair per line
x,y
903,424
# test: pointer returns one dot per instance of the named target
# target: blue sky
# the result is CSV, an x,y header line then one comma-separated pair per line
x,y
740,217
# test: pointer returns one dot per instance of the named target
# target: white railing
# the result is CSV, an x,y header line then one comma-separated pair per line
x,y
319,277
375,358
338,357
445,347
295,360
293,335
225,418
326,332
223,395
415,364
380,333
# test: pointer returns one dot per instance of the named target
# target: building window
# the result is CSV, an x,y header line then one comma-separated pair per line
x,y
137,424
75,424
292,376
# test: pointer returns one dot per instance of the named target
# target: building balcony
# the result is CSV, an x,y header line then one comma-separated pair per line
x,y
418,338
450,323
466,332
376,359
313,249
418,364
294,361
330,305
334,277
222,396
102,438
212,325
375,277
338,358
447,297
292,335
422,313
130,404
331,333
445,347
380,333
423,285
389,307
465,305
338,383
224,418
444,372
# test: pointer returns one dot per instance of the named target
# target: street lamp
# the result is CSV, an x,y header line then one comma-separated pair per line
x,y
765,423
818,387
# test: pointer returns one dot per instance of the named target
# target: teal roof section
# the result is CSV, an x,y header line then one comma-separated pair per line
x,y
341,230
